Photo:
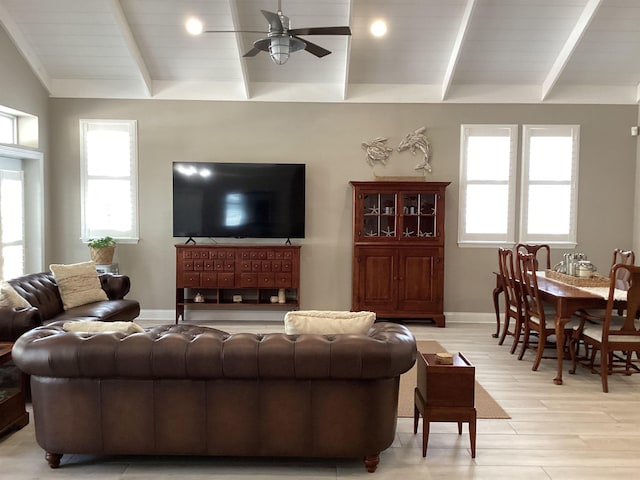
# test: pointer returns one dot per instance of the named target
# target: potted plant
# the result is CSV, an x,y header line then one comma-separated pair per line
x,y
102,250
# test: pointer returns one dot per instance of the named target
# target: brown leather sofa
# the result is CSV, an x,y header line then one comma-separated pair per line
x,y
188,390
41,291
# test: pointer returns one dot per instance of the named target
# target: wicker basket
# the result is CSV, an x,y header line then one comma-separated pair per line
x,y
596,280
102,256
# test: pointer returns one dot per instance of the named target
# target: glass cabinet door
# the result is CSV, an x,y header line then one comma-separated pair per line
x,y
418,215
379,215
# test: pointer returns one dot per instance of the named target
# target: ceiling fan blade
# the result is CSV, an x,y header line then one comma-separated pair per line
x,y
252,53
236,31
314,49
321,31
275,23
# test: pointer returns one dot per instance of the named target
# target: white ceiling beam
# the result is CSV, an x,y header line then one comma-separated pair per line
x,y
24,48
132,45
457,48
569,47
233,9
638,93
347,56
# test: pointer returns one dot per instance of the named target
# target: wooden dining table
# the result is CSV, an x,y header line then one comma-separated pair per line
x,y
567,300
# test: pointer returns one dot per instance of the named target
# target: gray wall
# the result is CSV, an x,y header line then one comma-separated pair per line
x,y
327,138
21,90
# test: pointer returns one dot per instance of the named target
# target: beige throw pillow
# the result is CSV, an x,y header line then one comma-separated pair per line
x,y
78,284
102,327
10,298
326,322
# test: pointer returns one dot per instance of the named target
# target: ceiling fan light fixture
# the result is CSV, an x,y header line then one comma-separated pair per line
x,y
279,48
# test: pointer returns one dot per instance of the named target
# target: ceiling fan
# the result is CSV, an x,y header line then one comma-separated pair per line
x,y
282,39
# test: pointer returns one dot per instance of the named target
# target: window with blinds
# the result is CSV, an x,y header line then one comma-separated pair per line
x,y
541,208
487,183
11,224
109,179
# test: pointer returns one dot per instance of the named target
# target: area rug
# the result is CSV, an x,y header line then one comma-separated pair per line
x,y
486,406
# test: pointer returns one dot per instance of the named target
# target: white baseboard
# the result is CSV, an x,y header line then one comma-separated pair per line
x,y
249,315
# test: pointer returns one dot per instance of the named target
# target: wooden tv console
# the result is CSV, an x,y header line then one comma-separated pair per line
x,y
236,276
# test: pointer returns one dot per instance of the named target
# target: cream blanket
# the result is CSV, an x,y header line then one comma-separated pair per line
x,y
327,322
91,326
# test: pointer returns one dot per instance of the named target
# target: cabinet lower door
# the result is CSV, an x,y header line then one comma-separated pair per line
x,y
375,279
419,280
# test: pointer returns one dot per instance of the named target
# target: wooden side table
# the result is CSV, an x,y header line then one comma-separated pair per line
x,y
445,393
13,414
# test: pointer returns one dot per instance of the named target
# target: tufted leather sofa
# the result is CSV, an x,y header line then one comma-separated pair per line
x,y
41,291
188,390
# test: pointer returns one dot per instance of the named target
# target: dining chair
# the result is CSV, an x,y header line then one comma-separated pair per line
x,y
538,319
535,249
512,297
613,332
624,257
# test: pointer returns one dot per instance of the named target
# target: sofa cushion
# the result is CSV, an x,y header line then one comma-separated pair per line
x,y
102,327
10,298
122,310
78,284
326,322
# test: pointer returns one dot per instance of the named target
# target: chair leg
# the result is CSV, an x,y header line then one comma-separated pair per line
x,y
592,359
542,340
525,341
573,342
604,370
516,335
505,329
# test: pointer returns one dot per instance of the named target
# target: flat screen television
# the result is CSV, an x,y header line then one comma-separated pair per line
x,y
241,200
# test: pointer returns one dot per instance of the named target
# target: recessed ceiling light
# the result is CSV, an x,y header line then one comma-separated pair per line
x,y
194,26
378,28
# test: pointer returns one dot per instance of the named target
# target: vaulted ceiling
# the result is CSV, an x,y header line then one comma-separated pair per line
x,y
498,51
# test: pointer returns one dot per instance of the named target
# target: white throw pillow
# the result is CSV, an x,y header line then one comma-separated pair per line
x,y
78,284
10,298
102,327
327,322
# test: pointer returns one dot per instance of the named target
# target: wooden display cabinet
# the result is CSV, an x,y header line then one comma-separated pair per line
x,y
445,393
236,276
398,249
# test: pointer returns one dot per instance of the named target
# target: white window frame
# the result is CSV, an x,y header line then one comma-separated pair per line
x,y
132,235
14,127
487,239
568,240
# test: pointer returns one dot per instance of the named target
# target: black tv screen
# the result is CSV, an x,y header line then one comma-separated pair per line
x,y
252,200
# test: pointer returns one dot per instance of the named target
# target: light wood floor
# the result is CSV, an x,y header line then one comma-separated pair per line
x,y
573,431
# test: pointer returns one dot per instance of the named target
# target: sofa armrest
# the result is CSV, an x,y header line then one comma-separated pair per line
x,y
115,286
16,321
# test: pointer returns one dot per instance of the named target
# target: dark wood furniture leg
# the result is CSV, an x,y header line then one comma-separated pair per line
x,y
444,414
371,462
560,340
496,305
53,459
